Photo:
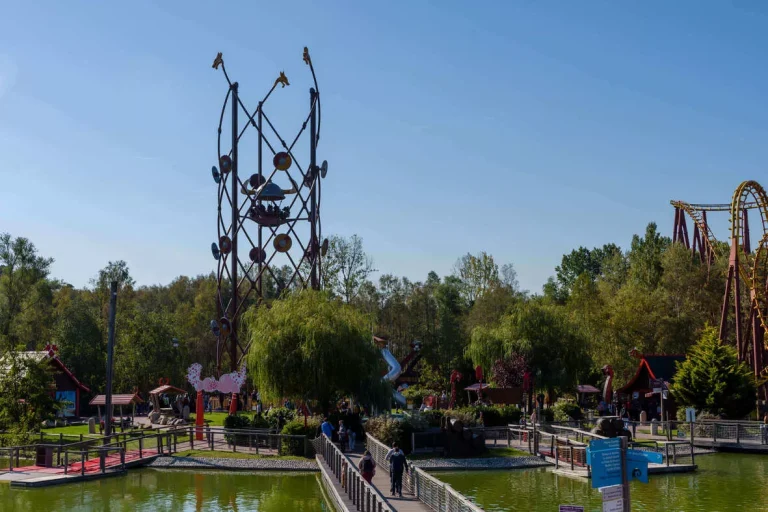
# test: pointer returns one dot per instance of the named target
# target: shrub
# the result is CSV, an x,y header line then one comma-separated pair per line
x,y
467,415
547,415
277,417
296,428
493,415
566,411
259,421
432,417
239,421
417,394
395,430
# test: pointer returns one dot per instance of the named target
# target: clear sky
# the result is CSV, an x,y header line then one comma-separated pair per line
x,y
522,128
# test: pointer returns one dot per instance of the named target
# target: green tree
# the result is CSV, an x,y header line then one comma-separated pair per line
x,y
346,266
645,256
712,379
477,274
310,346
25,392
25,292
81,343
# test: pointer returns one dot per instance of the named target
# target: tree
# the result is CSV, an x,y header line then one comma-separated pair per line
x,y
25,392
81,344
645,256
477,274
23,286
508,372
509,277
346,266
712,379
309,346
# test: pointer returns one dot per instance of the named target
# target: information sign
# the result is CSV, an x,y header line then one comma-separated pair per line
x,y
571,508
651,457
606,468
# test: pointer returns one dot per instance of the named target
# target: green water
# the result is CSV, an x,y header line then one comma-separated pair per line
x,y
174,491
724,482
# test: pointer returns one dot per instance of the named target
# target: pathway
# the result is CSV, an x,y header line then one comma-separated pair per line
x,y
408,503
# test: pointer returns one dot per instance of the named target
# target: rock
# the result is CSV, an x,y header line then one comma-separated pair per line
x,y
91,425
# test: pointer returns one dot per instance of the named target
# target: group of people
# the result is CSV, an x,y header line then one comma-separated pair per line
x,y
396,457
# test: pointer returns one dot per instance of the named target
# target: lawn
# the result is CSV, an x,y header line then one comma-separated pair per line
x,y
216,419
71,430
492,452
233,455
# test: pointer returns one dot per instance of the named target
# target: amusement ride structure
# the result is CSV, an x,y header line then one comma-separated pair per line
x,y
268,215
745,305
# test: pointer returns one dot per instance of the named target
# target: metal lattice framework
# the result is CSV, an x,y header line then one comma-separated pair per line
x,y
744,267
268,222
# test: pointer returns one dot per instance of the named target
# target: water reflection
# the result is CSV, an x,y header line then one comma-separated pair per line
x,y
175,491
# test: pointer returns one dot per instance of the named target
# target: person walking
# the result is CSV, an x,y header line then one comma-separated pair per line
x,y
367,466
352,439
397,465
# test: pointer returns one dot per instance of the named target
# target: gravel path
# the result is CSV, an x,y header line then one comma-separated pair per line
x,y
484,463
238,464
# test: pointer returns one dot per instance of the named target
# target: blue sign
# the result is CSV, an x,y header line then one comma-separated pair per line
x,y
650,457
637,469
606,468
605,444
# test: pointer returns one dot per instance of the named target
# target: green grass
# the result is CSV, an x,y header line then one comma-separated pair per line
x,y
233,455
216,419
72,430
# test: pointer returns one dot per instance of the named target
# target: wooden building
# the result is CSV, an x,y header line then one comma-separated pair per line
x,y
653,372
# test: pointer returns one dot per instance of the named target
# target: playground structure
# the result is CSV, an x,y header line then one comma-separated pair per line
x,y
395,367
259,227
745,304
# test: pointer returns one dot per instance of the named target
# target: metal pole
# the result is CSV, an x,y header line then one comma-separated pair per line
x,y
110,351
624,479
233,232
313,172
261,177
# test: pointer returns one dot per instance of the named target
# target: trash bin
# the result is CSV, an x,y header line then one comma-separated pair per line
x,y
654,427
44,457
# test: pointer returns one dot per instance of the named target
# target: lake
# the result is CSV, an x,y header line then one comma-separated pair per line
x,y
723,482
175,491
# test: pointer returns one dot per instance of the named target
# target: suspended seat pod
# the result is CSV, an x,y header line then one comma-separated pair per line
x,y
255,181
282,161
270,192
225,163
215,251
282,243
225,244
216,174
324,249
257,255
324,168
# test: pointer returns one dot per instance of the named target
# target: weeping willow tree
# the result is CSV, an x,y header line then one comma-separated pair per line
x,y
309,346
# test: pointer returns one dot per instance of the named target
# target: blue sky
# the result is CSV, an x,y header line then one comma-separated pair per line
x,y
522,128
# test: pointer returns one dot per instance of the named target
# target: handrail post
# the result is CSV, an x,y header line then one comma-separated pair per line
x,y
674,454
737,433
82,462
191,439
666,453
66,462
141,446
571,458
122,459
557,457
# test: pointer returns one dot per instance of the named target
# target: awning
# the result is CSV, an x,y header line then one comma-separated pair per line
x,y
126,399
586,388
476,386
167,389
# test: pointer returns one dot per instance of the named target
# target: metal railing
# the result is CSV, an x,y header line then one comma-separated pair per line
x,y
363,495
437,495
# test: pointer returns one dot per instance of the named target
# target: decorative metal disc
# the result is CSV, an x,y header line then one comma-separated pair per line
x,y
308,179
257,255
225,244
283,243
282,161
215,251
216,174
324,248
255,181
226,327
324,168
215,328
225,163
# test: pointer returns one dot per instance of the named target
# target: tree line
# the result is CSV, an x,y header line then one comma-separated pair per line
x,y
599,304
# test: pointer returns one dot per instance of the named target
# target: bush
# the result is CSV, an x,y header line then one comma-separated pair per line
x,y
239,421
395,430
432,417
277,417
547,415
296,428
493,415
417,394
467,415
259,421
566,411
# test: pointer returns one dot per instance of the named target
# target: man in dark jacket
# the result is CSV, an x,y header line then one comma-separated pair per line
x,y
397,464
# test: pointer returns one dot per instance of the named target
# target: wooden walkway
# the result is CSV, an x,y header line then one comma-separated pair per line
x,y
381,481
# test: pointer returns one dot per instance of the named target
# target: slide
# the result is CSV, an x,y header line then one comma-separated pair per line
x,y
393,373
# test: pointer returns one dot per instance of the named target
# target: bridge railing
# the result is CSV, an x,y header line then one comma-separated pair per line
x,y
437,495
363,495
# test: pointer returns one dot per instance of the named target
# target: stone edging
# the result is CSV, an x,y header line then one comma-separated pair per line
x,y
233,464
488,463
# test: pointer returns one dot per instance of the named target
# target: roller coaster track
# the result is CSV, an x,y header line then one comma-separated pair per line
x,y
748,196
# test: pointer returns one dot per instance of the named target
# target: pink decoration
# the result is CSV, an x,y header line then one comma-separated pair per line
x,y
228,383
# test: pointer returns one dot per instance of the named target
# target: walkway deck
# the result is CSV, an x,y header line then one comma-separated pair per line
x,y
408,503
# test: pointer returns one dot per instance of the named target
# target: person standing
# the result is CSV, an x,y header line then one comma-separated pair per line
x,y
342,436
397,465
352,438
367,466
327,428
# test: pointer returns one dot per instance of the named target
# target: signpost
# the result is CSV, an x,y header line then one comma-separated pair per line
x,y
612,499
614,466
